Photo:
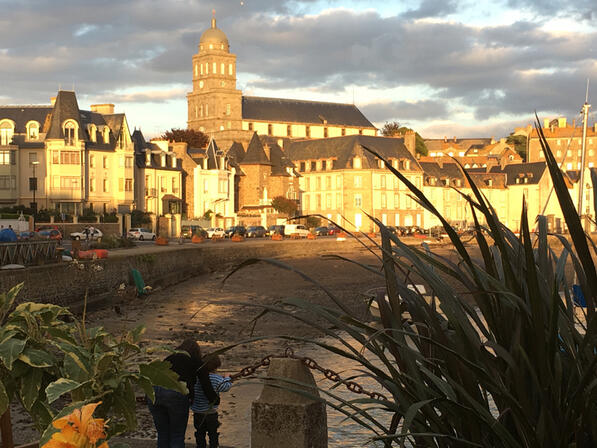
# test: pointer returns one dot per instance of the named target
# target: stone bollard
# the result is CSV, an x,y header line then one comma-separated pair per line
x,y
281,418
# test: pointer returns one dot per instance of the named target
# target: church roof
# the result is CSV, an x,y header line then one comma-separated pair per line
x,y
255,154
299,111
215,36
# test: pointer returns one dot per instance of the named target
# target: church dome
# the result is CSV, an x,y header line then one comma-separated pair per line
x,y
214,38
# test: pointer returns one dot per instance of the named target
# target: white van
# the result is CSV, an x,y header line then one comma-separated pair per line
x,y
298,229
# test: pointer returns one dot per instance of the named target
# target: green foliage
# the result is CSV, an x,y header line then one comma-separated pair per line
x,y
393,128
195,139
46,353
284,205
520,144
112,242
109,217
207,215
496,355
139,218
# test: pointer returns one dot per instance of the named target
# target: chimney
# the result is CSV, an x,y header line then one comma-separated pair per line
x,y
445,139
104,109
53,100
546,123
562,122
409,141
455,139
492,140
267,151
502,140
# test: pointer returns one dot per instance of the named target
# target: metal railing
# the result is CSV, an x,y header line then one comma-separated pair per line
x,y
27,252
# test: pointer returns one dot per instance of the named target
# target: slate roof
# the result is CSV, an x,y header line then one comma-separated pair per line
x,y
498,180
532,171
212,152
439,144
65,108
447,171
21,115
300,111
51,119
343,149
142,147
255,154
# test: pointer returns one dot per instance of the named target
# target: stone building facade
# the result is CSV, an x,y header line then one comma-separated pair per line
x,y
341,180
72,158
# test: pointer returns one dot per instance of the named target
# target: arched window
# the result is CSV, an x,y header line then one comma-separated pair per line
x,y
93,132
230,69
70,133
33,130
6,132
222,69
106,135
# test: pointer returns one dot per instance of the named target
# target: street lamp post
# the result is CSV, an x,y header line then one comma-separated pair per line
x,y
33,186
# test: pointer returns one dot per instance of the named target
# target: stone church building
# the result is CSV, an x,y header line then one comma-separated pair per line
x,y
254,130
217,108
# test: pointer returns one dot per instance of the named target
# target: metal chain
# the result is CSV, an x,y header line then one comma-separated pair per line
x,y
311,364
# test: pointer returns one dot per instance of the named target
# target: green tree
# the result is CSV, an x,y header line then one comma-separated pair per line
x,y
520,144
393,128
195,139
284,205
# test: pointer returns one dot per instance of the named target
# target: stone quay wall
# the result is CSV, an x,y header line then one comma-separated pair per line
x,y
65,283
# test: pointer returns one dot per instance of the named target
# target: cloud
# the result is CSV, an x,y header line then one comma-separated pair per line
x,y
144,49
402,111
432,8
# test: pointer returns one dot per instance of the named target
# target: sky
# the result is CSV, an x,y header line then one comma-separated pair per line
x,y
466,68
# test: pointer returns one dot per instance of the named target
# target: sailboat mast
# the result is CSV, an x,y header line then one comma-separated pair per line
x,y
585,112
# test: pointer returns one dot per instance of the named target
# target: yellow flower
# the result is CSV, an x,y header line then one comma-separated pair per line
x,y
79,430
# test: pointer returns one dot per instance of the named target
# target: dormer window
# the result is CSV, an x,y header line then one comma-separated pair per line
x,y
106,135
6,132
33,130
147,159
489,182
356,162
163,160
70,129
92,133
173,162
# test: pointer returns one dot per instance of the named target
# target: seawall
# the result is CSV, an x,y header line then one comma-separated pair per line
x,y
66,283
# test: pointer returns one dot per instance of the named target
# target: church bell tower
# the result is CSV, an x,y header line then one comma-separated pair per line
x,y
214,104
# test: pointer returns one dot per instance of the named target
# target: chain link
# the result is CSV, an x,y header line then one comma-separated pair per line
x,y
311,364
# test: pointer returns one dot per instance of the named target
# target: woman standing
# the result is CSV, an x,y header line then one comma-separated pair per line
x,y
170,410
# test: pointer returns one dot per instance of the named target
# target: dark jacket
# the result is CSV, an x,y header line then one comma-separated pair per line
x,y
188,371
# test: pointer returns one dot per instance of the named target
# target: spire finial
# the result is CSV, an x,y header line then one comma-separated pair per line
x,y
213,18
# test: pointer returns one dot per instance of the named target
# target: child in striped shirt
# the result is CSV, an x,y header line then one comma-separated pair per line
x,y
205,414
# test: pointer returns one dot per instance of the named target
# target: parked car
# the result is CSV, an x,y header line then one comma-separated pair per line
x,y
139,233
189,231
256,231
321,231
235,230
46,227
333,230
275,229
217,232
296,229
50,234
90,233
